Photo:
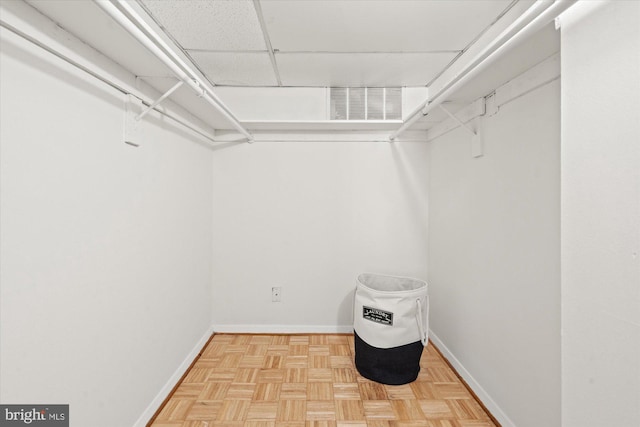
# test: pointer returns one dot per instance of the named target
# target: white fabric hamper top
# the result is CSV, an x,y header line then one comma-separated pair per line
x,y
394,302
390,283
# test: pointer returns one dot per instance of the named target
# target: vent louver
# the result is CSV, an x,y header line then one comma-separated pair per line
x,y
360,103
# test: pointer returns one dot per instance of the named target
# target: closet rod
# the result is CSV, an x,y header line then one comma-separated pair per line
x,y
97,76
531,21
124,15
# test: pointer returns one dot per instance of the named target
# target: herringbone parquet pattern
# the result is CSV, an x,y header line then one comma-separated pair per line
x,y
311,381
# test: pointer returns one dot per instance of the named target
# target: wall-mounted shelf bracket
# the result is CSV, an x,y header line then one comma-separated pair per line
x,y
159,100
200,92
477,149
133,134
460,122
133,18
476,140
491,105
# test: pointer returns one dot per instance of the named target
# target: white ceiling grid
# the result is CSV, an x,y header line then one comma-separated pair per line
x,y
316,43
324,43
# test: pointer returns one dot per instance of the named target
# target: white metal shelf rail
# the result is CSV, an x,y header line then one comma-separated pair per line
x,y
532,20
130,20
102,78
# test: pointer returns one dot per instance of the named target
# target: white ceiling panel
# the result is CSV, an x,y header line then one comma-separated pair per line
x,y
236,69
377,26
363,69
209,25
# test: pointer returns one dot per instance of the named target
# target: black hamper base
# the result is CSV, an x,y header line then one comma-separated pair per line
x,y
393,366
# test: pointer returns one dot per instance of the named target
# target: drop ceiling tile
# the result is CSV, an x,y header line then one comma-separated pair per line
x,y
364,69
210,25
375,26
236,69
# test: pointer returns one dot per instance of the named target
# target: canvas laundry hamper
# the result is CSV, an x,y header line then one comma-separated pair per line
x,y
391,324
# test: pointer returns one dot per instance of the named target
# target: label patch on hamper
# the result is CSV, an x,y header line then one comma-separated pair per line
x,y
378,316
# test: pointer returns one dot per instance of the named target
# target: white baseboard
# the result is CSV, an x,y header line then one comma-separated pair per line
x,y
173,380
481,393
284,329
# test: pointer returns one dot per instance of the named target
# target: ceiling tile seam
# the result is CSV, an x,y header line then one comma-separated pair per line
x,y
325,52
147,76
267,40
225,50
176,43
367,52
317,86
472,42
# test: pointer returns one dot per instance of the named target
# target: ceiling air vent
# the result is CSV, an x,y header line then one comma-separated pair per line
x,y
366,103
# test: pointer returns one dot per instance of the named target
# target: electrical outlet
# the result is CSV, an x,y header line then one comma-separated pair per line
x,y
276,293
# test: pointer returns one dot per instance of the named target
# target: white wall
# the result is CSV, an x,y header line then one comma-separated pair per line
x,y
601,214
494,270
311,216
105,248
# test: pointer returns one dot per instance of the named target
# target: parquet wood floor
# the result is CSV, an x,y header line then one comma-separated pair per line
x,y
311,381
